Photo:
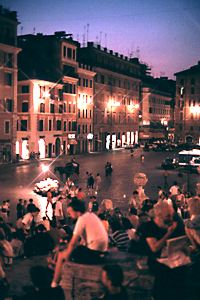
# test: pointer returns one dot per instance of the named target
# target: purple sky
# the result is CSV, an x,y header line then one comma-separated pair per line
x,y
163,34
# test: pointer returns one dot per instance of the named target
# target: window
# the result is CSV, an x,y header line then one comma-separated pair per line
x,y
50,125
65,126
150,110
64,107
79,113
69,53
42,107
52,108
91,84
8,60
70,108
8,79
41,125
64,51
79,129
23,125
74,126
70,126
60,110
192,81
9,105
7,127
25,106
86,113
25,89
83,128
58,125
74,54
74,108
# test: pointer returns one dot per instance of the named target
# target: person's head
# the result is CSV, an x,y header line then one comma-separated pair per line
x,y
35,211
93,198
41,228
164,212
126,223
133,211
76,208
194,206
112,276
49,194
20,201
30,200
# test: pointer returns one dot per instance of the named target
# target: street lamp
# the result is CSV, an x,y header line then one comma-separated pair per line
x,y
111,104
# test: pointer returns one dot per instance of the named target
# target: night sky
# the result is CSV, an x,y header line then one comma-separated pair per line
x,y
163,34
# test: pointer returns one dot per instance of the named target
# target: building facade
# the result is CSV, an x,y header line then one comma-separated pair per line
x,y
116,96
59,93
8,83
187,106
156,113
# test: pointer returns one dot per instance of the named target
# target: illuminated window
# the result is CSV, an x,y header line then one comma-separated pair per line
x,y
42,107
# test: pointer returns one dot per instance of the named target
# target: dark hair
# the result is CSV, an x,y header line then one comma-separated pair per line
x,y
133,211
126,223
41,228
77,205
115,274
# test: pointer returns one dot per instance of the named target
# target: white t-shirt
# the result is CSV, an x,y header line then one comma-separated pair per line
x,y
174,190
91,229
59,209
27,220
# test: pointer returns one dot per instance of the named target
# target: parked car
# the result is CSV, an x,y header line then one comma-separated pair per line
x,y
169,163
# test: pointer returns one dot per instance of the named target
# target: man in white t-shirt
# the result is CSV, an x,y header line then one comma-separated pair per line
x,y
174,189
92,233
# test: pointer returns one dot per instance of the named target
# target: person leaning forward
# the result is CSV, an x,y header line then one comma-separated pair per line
x,y
93,236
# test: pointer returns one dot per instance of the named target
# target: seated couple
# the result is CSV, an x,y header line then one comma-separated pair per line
x,y
94,239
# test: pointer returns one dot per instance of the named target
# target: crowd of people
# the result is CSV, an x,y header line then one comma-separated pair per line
x,y
84,229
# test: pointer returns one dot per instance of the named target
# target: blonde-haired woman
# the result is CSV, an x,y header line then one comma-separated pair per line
x,y
193,224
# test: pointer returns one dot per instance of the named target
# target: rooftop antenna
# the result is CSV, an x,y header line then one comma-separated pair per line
x,y
100,35
137,52
21,29
88,27
105,40
97,39
34,30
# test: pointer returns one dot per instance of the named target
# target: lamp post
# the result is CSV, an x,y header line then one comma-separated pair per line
x,y
112,104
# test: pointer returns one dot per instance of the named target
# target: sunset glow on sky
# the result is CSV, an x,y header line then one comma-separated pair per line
x,y
163,34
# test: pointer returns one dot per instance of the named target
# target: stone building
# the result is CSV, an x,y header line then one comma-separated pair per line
x,y
116,96
58,93
187,107
157,110
8,83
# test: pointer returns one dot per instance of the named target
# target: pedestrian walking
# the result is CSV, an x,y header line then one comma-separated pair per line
x,y
97,181
20,209
165,179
